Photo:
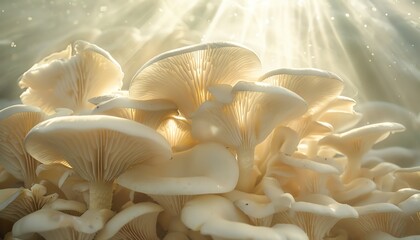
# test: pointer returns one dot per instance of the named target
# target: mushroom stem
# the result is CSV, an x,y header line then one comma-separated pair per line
x,y
247,173
100,195
312,148
352,168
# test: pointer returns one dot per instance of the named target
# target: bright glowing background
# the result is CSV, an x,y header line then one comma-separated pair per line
x,y
374,45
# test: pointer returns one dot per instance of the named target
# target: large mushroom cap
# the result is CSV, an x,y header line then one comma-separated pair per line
x,y
204,169
183,75
96,147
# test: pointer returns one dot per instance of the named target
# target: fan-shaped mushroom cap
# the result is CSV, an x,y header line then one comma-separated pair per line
x,y
340,114
177,131
356,188
98,148
150,112
356,142
255,110
16,203
52,224
218,217
204,169
137,221
316,214
184,75
411,207
70,78
303,82
381,216
15,123
359,140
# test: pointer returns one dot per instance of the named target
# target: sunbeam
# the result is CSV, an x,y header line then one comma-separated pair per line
x,y
373,45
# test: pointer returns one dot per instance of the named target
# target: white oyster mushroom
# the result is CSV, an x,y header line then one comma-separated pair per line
x,y
68,79
316,214
204,169
137,221
16,203
15,122
184,75
411,208
384,217
357,142
303,82
254,110
311,175
346,192
52,224
98,148
217,216
340,114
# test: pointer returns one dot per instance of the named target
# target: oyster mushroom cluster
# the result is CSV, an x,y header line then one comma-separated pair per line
x,y
203,145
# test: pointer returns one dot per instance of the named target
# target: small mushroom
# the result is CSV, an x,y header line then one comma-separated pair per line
x,y
98,148
357,142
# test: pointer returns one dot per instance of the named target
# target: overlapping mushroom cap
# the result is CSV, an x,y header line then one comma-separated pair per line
x,y
98,148
184,75
68,79
15,123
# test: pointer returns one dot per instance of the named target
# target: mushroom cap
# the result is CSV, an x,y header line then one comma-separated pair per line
x,y
324,206
303,82
177,131
15,122
130,213
189,71
70,78
47,220
359,140
255,110
21,202
148,112
8,195
411,205
218,217
354,189
98,148
204,169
